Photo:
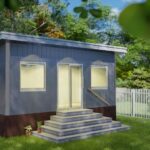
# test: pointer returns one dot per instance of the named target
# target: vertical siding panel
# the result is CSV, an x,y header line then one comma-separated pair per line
x,y
2,77
47,101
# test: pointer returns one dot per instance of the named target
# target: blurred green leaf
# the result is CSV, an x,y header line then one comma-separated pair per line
x,y
135,19
84,0
82,11
78,9
147,6
2,4
148,3
12,4
97,13
84,14
9,4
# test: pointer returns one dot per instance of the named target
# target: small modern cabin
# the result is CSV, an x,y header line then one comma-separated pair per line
x,y
40,75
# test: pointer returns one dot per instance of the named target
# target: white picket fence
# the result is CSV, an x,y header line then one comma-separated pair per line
x,y
133,102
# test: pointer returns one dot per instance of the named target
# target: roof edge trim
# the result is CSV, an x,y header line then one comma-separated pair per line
x,y
59,42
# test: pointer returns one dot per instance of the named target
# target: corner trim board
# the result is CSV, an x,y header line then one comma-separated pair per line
x,y
7,77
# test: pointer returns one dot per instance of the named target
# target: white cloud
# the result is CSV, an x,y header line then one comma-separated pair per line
x,y
115,11
132,1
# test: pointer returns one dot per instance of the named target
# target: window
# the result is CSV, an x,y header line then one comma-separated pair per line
x,y
99,77
32,76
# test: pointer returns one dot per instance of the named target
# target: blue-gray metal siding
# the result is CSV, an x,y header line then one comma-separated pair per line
x,y
33,102
2,77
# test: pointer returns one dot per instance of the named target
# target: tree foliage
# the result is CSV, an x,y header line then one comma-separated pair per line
x,y
30,18
75,28
139,78
50,18
15,5
44,23
136,61
16,22
89,7
92,22
135,19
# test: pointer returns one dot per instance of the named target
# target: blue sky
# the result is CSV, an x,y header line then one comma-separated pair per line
x,y
117,5
113,3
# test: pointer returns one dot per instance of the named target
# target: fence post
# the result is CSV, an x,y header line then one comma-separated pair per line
x,y
133,102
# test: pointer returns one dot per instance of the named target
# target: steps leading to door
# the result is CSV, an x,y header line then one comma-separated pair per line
x,y
72,118
75,112
77,124
71,131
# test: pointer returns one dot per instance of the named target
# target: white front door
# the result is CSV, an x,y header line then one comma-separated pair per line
x,y
69,86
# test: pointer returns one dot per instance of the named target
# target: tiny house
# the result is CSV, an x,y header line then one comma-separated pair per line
x,y
39,76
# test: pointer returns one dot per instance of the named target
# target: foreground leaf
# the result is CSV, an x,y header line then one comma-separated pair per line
x,y
135,19
2,4
97,13
78,9
84,14
84,0
12,4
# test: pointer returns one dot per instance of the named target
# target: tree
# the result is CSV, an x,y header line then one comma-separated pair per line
x,y
137,58
51,19
58,10
75,28
139,78
17,21
15,15
89,7
30,18
14,5
44,23
91,20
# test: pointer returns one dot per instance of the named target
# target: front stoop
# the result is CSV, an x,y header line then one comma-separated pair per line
x,y
77,124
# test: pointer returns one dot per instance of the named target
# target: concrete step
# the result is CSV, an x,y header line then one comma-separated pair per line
x,y
74,112
75,118
57,139
76,124
83,129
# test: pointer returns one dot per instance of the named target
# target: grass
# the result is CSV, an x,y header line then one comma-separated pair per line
x,y
137,138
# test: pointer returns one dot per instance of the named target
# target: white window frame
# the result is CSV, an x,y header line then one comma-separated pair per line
x,y
98,66
33,89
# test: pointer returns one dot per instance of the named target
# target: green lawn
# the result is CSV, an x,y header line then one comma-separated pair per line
x,y
137,138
